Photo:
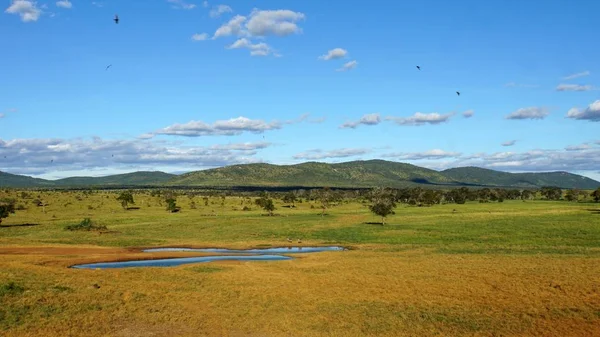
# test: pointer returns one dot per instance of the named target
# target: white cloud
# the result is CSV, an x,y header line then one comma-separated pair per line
x,y
509,143
591,113
232,27
26,9
584,146
420,118
180,4
98,4
205,4
281,22
581,74
320,154
368,119
230,127
333,54
35,155
348,65
257,49
529,113
429,155
1,115
200,37
64,4
219,10
468,114
573,87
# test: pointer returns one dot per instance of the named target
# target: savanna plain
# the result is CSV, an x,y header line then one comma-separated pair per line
x,y
479,269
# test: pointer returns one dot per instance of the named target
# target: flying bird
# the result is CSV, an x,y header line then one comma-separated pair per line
x,y
458,93
116,19
108,66
418,67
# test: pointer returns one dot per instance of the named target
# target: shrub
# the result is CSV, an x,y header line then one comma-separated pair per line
x,y
86,225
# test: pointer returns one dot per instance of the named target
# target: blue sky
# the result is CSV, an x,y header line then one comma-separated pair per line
x,y
195,85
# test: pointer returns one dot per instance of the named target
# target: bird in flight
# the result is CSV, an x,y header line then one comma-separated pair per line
x,y
110,65
418,67
458,93
116,19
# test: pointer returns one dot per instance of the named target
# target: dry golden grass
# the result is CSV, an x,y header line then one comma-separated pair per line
x,y
424,275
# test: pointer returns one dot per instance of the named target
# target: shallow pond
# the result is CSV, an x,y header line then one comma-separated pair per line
x,y
276,250
257,255
178,261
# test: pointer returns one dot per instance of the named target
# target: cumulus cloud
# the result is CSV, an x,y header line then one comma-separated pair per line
x,y
348,66
25,155
468,114
509,143
232,27
256,49
218,10
368,119
529,113
420,118
279,22
576,75
584,146
591,113
180,4
573,87
200,37
339,153
26,9
64,4
262,23
333,54
432,154
230,127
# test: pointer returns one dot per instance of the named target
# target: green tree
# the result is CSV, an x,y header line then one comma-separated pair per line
x,y
324,196
290,198
382,202
551,192
125,198
7,207
572,195
596,195
269,206
172,205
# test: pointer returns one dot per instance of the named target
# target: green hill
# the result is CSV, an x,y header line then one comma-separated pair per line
x,y
480,176
14,180
372,173
140,178
369,173
350,174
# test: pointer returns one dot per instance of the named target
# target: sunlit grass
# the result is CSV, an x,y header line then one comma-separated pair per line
x,y
512,268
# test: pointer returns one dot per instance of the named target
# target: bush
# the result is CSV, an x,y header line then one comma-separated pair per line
x,y
11,288
86,225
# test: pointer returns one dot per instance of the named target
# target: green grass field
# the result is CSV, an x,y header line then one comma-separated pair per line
x,y
496,269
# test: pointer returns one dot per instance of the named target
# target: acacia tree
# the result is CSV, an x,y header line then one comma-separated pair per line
x,y
290,198
7,206
596,195
324,196
383,202
265,202
125,198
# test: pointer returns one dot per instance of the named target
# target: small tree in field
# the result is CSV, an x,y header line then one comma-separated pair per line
x,y
269,206
125,198
383,203
596,195
7,206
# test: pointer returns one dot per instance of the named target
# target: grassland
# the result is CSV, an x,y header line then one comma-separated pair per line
x,y
498,269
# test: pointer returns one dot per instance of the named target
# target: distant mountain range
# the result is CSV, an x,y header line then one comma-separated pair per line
x,y
357,174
